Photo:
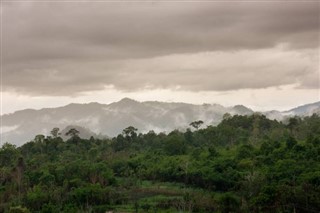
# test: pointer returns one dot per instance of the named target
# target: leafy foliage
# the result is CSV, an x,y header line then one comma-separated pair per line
x,y
245,164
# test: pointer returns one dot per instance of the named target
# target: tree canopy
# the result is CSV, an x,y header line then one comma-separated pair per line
x,y
244,164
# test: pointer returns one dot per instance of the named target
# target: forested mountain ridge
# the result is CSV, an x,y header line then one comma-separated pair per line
x,y
244,164
110,119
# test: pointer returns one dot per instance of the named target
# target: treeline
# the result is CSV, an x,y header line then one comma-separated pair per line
x,y
245,164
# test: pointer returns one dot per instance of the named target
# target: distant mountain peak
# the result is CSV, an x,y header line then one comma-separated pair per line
x,y
240,106
110,119
127,100
242,109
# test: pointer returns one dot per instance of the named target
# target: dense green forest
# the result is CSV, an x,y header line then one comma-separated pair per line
x,y
245,164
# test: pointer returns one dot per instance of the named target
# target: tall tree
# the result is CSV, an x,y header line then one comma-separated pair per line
x,y
196,124
55,132
130,133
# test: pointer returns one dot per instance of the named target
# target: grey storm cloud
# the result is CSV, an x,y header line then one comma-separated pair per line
x,y
65,48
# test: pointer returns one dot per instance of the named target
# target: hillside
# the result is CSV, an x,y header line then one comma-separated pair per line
x,y
107,120
244,164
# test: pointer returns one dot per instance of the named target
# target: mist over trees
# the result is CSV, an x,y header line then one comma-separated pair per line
x,y
247,163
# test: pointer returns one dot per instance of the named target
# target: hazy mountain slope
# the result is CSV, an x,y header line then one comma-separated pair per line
x,y
111,119
305,110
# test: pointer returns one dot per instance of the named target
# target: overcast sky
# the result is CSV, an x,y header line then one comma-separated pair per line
x,y
261,54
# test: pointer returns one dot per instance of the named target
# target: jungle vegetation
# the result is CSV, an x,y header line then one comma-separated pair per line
x,y
244,164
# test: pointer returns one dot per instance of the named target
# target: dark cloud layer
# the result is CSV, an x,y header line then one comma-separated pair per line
x,y
68,48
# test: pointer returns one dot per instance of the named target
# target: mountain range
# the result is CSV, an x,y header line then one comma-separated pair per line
x,y
108,120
